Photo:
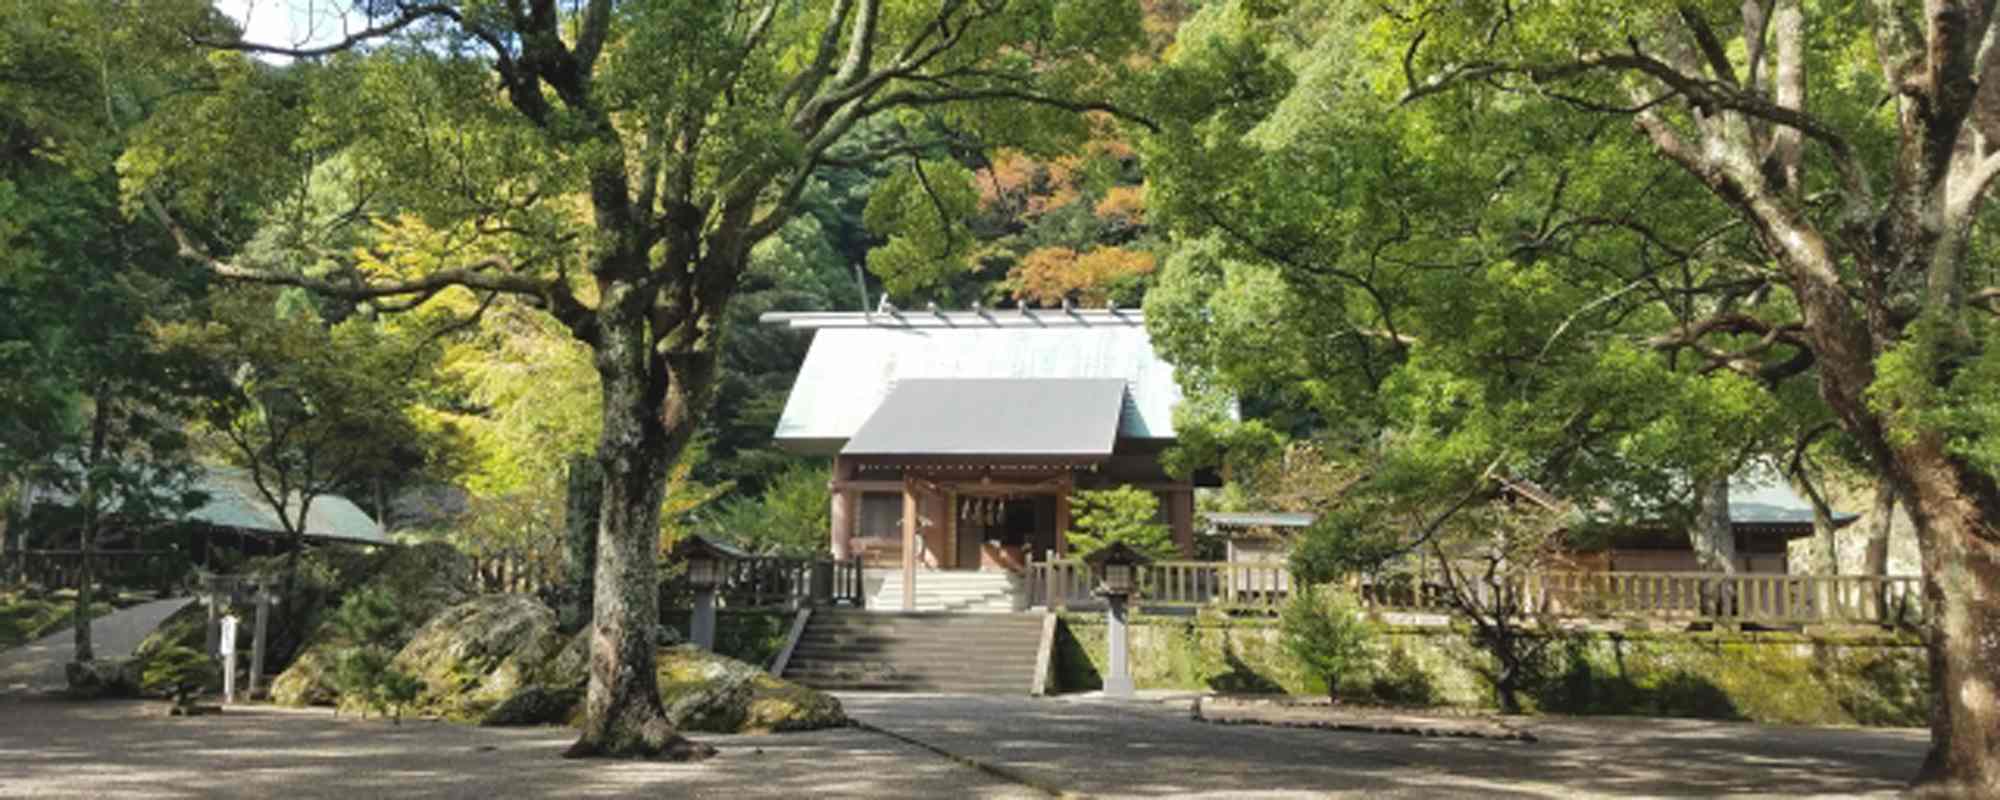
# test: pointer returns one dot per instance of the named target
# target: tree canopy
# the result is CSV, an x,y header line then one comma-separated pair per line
x,y
1612,248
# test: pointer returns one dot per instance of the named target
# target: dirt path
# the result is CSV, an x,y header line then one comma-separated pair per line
x,y
38,665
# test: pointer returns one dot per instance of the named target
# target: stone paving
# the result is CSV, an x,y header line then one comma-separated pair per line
x,y
38,665
1149,749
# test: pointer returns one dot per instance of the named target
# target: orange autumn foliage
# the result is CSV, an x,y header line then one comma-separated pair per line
x,y
1046,275
1123,203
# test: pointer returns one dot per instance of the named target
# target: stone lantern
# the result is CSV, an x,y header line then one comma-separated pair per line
x,y
1116,570
707,568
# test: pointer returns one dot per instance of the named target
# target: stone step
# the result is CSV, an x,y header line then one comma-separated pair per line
x,y
879,647
928,620
940,651
1005,669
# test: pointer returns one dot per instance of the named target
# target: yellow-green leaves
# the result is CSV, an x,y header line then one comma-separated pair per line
x,y
922,212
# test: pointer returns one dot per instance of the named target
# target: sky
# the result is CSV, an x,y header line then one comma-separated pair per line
x,y
287,22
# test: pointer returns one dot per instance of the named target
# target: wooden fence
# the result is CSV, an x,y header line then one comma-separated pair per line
x,y
1674,596
755,582
779,582
156,570
519,573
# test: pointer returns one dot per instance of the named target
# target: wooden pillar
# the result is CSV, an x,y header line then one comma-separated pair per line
x,y
1062,515
909,544
951,547
1180,516
844,511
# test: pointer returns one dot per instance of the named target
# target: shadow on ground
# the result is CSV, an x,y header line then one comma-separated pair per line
x,y
1102,749
125,749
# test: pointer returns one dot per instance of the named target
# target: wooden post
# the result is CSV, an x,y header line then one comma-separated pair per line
x,y
843,513
229,659
212,633
952,550
1062,515
1180,516
257,639
909,545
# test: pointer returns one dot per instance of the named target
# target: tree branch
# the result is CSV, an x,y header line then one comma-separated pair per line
x,y
408,16
492,274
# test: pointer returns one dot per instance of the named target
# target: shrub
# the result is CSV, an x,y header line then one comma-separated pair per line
x,y
1126,514
364,677
180,673
374,621
790,518
1324,630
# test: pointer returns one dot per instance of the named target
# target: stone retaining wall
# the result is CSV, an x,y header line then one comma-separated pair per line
x,y
1868,678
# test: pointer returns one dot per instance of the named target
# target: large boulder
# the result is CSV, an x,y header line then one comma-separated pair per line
x,y
538,705
709,693
103,678
476,654
702,692
425,579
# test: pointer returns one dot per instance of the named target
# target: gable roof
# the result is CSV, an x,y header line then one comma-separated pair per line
x,y
856,360
1063,418
234,502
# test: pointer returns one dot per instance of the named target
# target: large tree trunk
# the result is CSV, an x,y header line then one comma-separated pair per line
x,y
1713,540
1881,524
581,515
1714,543
644,433
1954,508
86,571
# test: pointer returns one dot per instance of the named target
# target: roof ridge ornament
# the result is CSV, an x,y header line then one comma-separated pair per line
x,y
888,316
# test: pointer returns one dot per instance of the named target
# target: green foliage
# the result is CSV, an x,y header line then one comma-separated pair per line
x,y
922,218
371,615
374,623
318,407
180,673
92,400
790,518
1325,630
1126,514
25,618
365,678
1396,277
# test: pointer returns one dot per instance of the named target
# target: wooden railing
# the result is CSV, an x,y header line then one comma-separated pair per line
x,y
1166,584
1688,596
1742,597
520,573
157,570
779,582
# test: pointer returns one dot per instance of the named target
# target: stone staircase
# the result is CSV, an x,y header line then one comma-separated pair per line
x,y
852,650
955,591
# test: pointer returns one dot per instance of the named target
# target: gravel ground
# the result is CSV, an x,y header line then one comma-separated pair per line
x,y
55,748
1102,748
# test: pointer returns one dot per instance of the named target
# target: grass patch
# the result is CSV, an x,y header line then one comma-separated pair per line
x,y
24,619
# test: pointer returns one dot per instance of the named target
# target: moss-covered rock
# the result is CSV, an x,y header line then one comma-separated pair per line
x,y
474,655
425,579
103,678
709,693
537,705
1773,677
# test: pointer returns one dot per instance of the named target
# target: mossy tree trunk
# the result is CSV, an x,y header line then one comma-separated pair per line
x,y
93,484
649,404
581,515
